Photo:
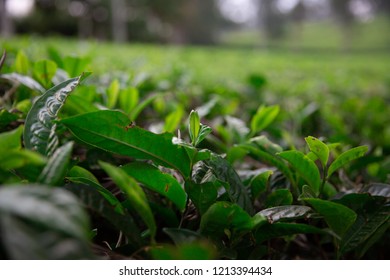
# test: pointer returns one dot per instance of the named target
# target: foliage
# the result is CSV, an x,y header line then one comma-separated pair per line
x,y
153,184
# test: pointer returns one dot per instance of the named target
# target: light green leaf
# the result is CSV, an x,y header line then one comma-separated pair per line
x,y
263,118
162,183
319,148
347,157
40,130
44,71
11,140
305,167
134,194
194,127
172,121
338,217
128,99
22,63
112,131
113,93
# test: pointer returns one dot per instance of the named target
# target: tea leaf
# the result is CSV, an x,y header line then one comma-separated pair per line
x,y
270,231
44,72
128,99
40,130
113,94
194,127
263,118
162,183
54,172
202,195
278,198
21,63
338,217
24,80
134,194
112,131
319,148
305,167
347,157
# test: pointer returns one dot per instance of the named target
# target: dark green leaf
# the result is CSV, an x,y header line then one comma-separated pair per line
x,y
134,194
182,235
111,131
236,190
43,223
270,231
278,198
202,195
6,118
39,131
162,183
95,200
338,217
259,183
54,172
2,59
347,157
366,230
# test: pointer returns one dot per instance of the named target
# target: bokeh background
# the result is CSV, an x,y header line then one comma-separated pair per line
x,y
345,25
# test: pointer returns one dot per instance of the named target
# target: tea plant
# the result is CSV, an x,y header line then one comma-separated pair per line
x,y
91,171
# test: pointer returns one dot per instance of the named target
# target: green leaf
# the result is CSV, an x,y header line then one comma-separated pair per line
x,y
188,251
111,131
202,195
6,118
54,172
39,130
338,217
270,231
182,235
95,200
44,71
141,106
134,194
172,121
222,216
203,132
75,65
263,118
319,148
38,222
13,159
287,212
236,190
11,140
113,93
259,183
155,180
2,59
347,157
128,99
305,167
194,127
22,63
278,198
